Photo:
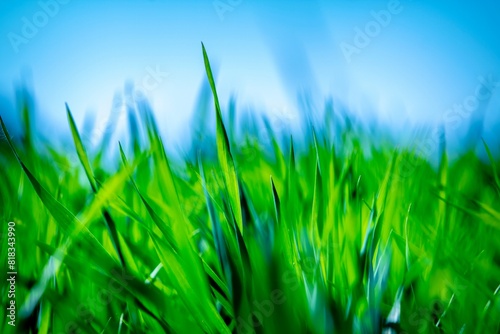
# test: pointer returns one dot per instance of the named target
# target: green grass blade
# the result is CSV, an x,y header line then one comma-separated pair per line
x,y
224,151
82,155
493,166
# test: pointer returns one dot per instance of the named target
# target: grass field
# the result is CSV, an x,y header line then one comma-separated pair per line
x,y
340,236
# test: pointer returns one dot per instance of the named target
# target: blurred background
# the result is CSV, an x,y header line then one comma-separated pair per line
x,y
401,64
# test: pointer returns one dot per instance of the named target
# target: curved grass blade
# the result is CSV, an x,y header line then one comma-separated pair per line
x,y
183,266
146,297
82,155
69,224
493,166
224,151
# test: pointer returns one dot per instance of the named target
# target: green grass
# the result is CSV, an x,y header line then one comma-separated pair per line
x,y
338,236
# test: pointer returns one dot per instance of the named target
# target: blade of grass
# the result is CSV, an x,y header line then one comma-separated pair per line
x,y
224,150
82,155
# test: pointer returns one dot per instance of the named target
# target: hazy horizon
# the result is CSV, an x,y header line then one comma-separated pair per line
x,y
377,59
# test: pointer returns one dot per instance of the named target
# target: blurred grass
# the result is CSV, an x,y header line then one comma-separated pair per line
x,y
338,236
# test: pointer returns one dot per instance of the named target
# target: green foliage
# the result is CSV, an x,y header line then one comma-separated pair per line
x,y
335,236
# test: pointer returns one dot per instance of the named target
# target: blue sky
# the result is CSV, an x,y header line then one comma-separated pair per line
x,y
415,66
